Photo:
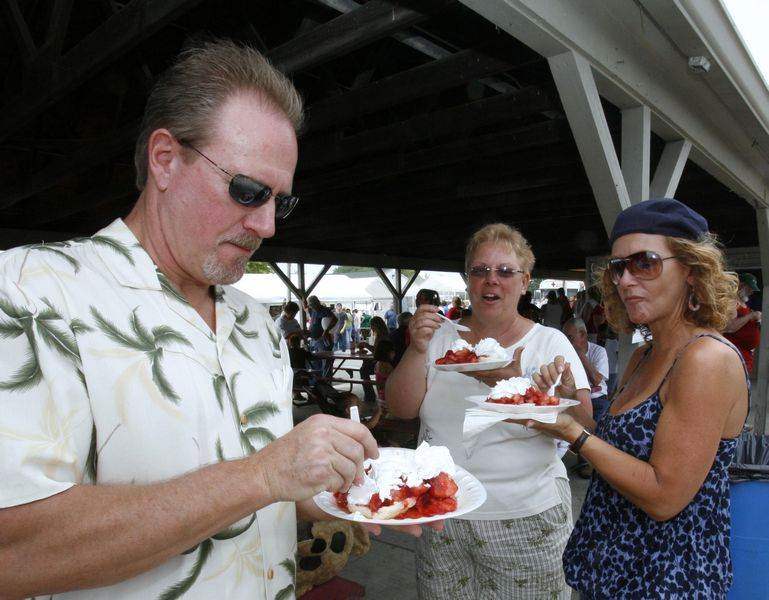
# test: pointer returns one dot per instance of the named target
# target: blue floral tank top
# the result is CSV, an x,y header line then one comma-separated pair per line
x,y
617,551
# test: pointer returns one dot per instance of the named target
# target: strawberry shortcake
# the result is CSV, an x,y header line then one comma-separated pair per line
x,y
520,390
404,486
462,352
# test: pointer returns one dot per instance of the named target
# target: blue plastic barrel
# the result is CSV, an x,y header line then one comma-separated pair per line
x,y
750,540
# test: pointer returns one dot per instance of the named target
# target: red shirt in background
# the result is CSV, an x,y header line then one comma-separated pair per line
x,y
454,313
746,338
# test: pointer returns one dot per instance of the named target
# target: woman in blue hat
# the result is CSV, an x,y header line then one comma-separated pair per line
x,y
655,522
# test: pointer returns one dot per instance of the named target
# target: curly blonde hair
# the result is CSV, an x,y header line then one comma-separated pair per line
x,y
714,287
500,233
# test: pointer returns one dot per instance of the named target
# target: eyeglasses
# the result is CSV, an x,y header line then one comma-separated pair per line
x,y
483,271
643,265
249,192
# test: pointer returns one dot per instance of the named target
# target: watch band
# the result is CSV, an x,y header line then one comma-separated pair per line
x,y
580,441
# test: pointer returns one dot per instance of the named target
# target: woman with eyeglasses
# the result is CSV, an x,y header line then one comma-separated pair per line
x,y
511,547
655,522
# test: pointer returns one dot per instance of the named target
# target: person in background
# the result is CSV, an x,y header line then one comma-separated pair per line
x,y
354,317
384,354
595,362
528,310
455,312
400,337
552,311
563,300
655,522
379,332
427,296
342,329
391,318
743,330
365,327
286,321
322,323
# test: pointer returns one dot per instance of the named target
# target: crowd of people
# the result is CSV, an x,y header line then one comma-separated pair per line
x,y
147,446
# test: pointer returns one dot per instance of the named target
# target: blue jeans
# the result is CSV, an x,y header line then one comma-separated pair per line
x,y
324,366
340,341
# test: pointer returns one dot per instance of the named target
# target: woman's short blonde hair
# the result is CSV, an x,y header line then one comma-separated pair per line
x,y
500,233
714,287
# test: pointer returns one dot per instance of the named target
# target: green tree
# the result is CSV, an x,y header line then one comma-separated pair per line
x,y
258,267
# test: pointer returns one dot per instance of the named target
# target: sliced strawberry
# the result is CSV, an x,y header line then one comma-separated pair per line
x,y
341,499
442,486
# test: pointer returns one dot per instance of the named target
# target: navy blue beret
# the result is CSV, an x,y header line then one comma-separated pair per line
x,y
663,216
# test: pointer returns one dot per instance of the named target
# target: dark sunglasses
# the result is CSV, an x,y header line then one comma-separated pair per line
x,y
250,192
482,271
642,265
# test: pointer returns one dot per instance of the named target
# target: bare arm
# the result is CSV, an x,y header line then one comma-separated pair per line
x,y
407,385
97,535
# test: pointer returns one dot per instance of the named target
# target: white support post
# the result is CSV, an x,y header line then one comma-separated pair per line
x,y
399,291
669,171
636,147
761,394
573,77
303,297
636,144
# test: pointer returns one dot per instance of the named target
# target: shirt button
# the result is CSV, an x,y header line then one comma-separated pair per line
x,y
270,574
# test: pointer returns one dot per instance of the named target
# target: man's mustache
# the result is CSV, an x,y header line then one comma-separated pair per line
x,y
244,240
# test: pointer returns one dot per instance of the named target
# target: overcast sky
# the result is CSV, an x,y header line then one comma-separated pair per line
x,y
752,20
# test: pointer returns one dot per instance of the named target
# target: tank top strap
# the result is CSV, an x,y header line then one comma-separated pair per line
x,y
718,339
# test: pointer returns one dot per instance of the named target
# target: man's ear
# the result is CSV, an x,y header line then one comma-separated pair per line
x,y
162,149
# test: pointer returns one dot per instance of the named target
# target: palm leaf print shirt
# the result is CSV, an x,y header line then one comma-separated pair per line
x,y
109,376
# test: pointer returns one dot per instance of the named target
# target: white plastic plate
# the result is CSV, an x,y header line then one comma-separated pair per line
x,y
484,365
520,409
470,495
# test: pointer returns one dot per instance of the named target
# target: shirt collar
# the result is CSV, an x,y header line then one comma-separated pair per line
x,y
124,257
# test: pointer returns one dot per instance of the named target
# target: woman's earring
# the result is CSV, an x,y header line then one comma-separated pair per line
x,y
694,303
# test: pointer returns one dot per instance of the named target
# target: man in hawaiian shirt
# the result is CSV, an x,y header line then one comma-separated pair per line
x,y
146,441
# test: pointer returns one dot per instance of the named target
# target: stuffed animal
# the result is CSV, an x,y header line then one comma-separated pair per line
x,y
326,554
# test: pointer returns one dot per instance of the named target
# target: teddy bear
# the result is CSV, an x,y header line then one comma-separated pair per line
x,y
326,554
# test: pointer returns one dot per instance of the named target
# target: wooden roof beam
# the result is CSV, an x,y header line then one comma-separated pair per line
x,y
435,76
118,34
457,121
20,31
531,136
339,36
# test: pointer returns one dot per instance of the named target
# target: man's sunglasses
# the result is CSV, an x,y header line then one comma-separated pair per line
x,y
482,271
250,192
642,265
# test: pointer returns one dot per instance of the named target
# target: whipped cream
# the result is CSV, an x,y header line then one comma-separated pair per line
x,y
490,348
389,472
460,344
506,388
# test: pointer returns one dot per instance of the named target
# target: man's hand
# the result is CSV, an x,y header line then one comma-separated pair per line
x,y
492,376
321,453
422,327
756,315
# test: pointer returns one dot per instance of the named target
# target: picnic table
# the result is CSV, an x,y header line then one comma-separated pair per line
x,y
339,360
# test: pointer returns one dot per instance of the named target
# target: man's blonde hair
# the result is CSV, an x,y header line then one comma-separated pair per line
x,y
500,233
187,96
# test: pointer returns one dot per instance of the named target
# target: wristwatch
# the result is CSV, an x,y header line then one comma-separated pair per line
x,y
575,447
